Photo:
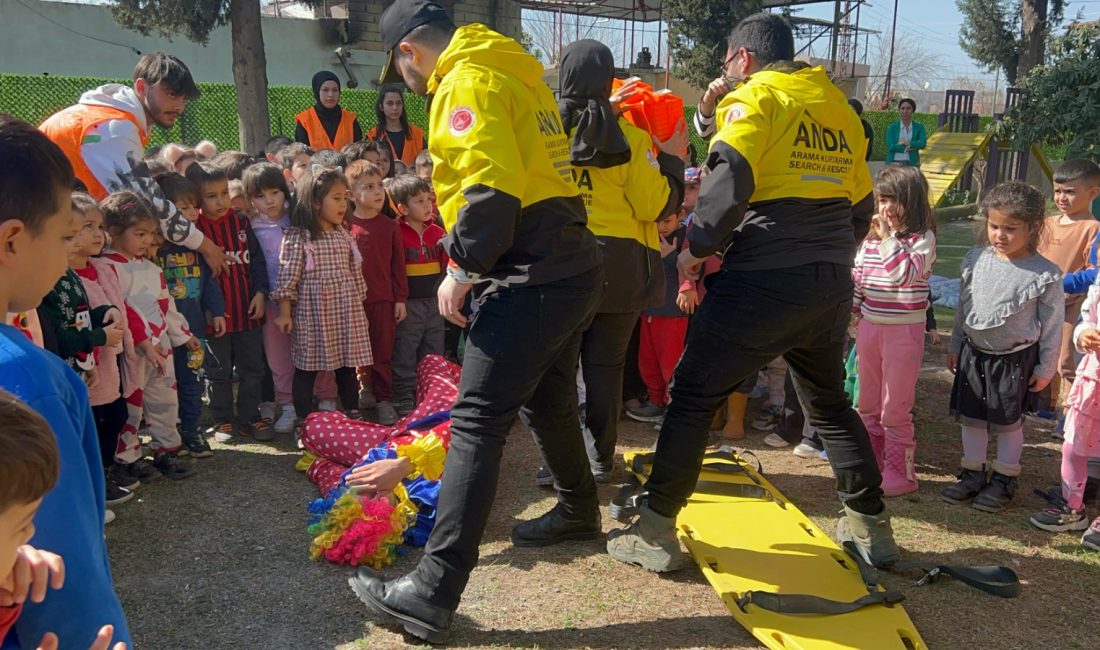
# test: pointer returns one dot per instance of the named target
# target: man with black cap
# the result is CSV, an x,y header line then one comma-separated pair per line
x,y
326,124
518,238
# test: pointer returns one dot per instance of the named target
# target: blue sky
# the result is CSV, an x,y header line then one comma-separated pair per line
x,y
936,24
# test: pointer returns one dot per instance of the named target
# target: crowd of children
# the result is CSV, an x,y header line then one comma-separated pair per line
x,y
327,300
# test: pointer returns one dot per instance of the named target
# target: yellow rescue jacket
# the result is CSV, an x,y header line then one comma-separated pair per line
x,y
787,174
502,176
624,204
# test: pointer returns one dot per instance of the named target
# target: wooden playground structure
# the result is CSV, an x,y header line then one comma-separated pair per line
x,y
960,153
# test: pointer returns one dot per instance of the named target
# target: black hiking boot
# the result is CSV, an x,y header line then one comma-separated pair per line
x,y
970,483
997,494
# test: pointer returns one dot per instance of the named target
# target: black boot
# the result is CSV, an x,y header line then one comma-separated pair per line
x,y
997,494
399,602
554,527
970,483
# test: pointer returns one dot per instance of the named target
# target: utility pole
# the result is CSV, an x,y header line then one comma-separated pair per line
x,y
890,65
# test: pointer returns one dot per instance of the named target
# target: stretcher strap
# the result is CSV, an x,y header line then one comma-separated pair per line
x,y
806,604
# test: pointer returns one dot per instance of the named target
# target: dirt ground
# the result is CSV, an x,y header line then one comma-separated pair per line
x,y
221,560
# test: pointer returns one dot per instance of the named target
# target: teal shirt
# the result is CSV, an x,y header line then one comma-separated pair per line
x,y
918,142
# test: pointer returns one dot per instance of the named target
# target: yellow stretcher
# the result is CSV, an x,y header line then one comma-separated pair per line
x,y
747,537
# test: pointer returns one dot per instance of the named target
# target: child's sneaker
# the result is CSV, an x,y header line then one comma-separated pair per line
x,y
286,421
354,414
405,406
775,440
261,430
130,475
768,420
116,494
1059,518
172,466
326,405
366,399
970,484
997,494
223,432
648,412
806,450
387,414
195,444
1091,538
268,410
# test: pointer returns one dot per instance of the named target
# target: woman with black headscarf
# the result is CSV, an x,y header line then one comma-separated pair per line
x,y
626,189
326,125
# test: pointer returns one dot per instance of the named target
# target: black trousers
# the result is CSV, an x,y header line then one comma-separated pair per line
x,y
747,319
603,356
109,420
347,387
521,358
245,352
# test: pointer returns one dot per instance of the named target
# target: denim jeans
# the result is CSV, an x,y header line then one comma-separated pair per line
x,y
747,319
521,358
189,387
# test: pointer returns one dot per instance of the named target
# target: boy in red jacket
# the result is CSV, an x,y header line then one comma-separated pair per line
x,y
421,332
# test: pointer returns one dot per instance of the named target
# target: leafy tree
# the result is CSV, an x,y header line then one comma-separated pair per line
x,y
195,20
697,33
1061,102
1008,34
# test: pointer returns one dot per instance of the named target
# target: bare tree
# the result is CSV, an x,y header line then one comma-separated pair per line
x,y
547,37
913,66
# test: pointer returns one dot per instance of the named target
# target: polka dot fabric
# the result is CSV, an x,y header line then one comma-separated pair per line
x,y
339,442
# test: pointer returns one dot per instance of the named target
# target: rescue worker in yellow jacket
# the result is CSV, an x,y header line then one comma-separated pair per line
x,y
518,238
626,188
787,198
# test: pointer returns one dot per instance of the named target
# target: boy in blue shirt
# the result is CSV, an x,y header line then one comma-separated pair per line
x,y
35,217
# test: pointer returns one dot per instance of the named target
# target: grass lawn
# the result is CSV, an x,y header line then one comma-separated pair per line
x,y
221,560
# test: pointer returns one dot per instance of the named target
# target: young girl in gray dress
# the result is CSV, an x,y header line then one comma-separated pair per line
x,y
1005,343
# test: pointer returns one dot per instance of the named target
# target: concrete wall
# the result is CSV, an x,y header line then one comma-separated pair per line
x,y
31,44
501,15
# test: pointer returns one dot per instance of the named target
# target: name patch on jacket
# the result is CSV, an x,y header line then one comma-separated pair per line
x,y
820,149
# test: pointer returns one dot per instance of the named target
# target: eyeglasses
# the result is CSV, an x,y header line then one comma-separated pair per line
x,y
731,58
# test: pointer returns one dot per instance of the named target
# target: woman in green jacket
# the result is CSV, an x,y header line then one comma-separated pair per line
x,y
905,138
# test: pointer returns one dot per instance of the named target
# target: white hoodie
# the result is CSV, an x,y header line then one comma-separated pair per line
x,y
113,152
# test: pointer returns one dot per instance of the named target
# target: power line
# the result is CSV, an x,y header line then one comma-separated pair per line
x,y
73,31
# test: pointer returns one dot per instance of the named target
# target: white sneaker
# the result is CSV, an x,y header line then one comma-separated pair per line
x,y
268,410
287,419
326,405
108,516
806,451
775,440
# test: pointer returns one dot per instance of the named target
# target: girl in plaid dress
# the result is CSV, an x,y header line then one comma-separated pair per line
x,y
320,292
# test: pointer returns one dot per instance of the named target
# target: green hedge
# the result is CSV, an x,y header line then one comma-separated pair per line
x,y
213,116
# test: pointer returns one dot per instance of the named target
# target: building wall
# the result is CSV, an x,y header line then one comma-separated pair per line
x,y
501,15
31,44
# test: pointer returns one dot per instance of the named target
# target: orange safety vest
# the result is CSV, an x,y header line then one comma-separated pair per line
x,y
318,139
414,143
67,129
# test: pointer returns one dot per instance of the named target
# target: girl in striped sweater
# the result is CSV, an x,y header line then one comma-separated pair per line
x,y
891,295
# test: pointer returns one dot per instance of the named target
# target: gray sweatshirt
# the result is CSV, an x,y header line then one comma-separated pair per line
x,y
1007,305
